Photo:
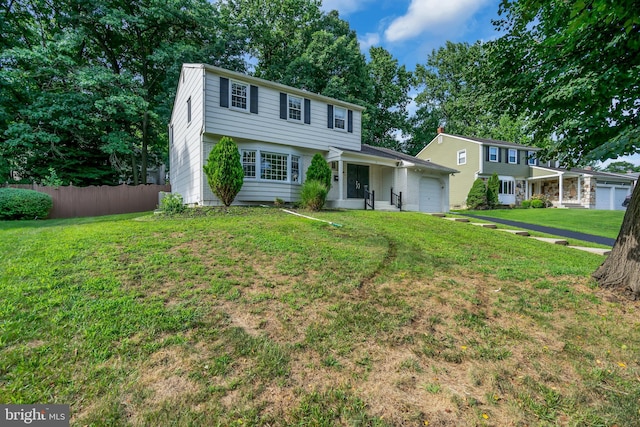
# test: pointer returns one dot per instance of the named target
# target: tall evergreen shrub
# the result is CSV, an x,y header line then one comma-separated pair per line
x,y
477,197
319,170
224,170
493,188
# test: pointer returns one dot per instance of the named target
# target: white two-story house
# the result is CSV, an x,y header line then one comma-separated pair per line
x,y
278,129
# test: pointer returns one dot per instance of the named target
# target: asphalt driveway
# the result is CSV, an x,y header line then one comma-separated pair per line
x,y
548,230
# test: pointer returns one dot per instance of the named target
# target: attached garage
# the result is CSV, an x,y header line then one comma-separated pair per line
x,y
610,197
431,195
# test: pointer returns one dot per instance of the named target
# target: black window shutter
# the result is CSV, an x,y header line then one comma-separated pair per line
x,y
518,156
486,152
224,92
253,94
349,121
330,116
499,154
283,106
307,111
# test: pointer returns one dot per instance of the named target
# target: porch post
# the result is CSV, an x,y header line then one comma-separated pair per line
x,y
579,190
340,183
560,191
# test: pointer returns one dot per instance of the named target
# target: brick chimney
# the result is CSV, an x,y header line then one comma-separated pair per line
x,y
440,129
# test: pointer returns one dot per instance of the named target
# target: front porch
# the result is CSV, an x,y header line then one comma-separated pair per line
x,y
564,189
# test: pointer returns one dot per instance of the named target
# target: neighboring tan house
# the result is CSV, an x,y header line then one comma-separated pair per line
x,y
278,129
521,174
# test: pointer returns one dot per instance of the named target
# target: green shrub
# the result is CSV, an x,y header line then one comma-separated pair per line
x,y
172,203
493,187
526,204
224,170
52,180
16,203
313,194
537,204
319,170
477,197
542,201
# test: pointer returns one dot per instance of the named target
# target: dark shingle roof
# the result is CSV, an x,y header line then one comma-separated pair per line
x,y
395,155
494,142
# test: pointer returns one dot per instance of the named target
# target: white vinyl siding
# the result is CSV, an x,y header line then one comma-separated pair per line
x,y
267,125
186,152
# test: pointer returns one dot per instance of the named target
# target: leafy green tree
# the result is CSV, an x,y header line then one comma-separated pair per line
x,y
493,188
319,170
477,197
621,167
224,170
386,116
574,68
89,85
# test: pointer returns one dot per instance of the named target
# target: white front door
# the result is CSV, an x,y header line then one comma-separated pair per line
x,y
507,190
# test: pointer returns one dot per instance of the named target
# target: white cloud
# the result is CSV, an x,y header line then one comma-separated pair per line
x,y
432,16
369,39
345,7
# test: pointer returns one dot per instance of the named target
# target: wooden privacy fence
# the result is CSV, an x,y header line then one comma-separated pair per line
x,y
71,202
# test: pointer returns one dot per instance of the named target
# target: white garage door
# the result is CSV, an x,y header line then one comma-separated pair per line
x,y
621,193
430,195
603,197
610,198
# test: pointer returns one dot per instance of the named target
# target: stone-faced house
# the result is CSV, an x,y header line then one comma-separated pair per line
x,y
521,174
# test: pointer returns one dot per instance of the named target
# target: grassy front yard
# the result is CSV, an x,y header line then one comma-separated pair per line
x,y
600,223
256,317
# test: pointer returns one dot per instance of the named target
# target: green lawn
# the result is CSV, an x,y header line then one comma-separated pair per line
x,y
600,223
256,317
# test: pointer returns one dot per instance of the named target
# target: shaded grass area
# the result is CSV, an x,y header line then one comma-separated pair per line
x,y
590,221
255,317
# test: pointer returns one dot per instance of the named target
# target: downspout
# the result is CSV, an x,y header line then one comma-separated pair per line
x,y
202,130
560,190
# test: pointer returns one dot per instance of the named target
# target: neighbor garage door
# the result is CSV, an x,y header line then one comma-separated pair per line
x,y
610,198
430,195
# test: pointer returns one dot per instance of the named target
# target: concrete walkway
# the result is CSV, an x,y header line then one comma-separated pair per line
x,y
548,230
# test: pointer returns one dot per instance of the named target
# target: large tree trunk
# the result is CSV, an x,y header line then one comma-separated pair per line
x,y
622,268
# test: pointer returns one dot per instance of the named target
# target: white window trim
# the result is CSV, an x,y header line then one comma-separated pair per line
x,y
515,156
463,152
300,120
346,118
258,166
531,159
497,154
248,95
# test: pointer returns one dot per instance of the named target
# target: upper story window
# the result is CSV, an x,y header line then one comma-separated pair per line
x,y
239,93
339,118
493,154
531,158
295,108
513,155
462,157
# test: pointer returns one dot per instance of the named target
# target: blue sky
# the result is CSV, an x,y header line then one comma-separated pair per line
x,y
411,29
